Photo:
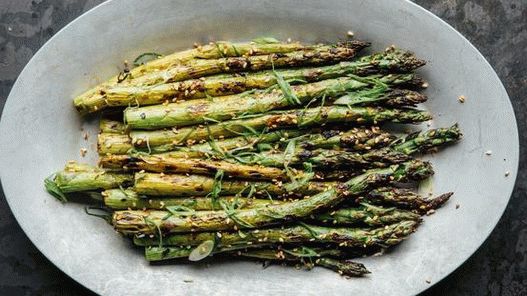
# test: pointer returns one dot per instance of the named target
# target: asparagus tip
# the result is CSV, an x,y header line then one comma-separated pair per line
x,y
437,202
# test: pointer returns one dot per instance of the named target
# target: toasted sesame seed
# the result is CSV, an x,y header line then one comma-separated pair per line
x,y
461,99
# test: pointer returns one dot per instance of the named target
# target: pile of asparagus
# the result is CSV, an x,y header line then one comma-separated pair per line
x,y
265,149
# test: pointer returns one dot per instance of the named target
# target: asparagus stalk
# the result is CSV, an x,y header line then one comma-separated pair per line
x,y
80,177
366,214
119,199
150,222
395,98
90,101
404,198
349,237
167,164
215,147
196,185
229,107
113,143
111,126
280,119
221,85
323,54
424,141
315,256
357,139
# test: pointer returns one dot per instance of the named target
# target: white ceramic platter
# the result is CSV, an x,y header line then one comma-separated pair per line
x,y
40,131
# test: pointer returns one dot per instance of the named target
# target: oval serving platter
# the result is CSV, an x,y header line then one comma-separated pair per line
x,y
40,130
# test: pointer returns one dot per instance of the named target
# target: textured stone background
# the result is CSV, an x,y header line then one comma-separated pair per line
x,y
497,28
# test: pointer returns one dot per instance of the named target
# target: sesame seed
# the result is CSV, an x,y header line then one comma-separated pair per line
x,y
461,99
350,34
488,152
507,173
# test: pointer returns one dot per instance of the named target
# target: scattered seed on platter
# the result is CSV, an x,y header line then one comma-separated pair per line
x,y
457,206
507,173
461,99
488,152
83,151
350,34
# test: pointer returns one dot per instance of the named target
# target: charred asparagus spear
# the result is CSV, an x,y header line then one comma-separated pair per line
x,y
196,185
122,199
228,107
344,267
404,198
300,255
357,139
150,222
280,119
167,164
221,85
349,237
79,177
114,143
90,101
366,214
111,126
319,55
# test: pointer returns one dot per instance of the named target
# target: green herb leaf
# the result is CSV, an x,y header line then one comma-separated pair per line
x,y
54,189
264,147
265,40
202,251
216,187
288,93
303,252
289,151
145,58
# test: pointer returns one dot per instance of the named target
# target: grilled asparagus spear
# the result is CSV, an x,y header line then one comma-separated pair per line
x,y
196,185
302,255
167,164
349,237
279,119
404,198
80,177
323,54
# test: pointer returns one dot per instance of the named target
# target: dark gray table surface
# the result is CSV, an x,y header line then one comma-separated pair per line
x,y
498,28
